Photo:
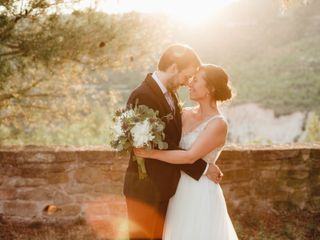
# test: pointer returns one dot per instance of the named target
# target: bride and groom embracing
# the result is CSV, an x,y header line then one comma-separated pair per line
x,y
181,198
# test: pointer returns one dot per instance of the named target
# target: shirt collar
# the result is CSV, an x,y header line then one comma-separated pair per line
x,y
160,84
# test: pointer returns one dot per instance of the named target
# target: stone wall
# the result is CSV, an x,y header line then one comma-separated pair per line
x,y
59,184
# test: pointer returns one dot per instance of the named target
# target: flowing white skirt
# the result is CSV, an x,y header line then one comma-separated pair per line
x,y
198,211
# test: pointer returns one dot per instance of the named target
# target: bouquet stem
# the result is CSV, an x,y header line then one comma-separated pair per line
x,y
141,167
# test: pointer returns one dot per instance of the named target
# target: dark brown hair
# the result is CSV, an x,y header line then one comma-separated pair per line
x,y
180,54
217,82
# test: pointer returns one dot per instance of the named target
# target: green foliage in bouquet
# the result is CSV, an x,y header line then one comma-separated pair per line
x,y
138,127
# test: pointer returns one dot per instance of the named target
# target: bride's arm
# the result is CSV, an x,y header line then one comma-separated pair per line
x,y
212,137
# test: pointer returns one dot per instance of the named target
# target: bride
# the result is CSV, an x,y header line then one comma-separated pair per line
x,y
198,209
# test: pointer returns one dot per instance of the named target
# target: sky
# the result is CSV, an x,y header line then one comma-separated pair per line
x,y
191,12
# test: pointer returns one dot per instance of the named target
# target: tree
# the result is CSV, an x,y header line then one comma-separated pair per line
x,y
312,133
288,3
50,60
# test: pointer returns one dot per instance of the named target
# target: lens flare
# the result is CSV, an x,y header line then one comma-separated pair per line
x,y
107,216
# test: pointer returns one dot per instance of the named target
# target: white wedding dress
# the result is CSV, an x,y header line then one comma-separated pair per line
x,y
198,210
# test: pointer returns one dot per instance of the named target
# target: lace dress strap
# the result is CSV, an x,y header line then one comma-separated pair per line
x,y
206,122
213,117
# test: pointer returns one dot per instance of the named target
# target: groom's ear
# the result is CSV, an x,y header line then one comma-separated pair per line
x,y
173,68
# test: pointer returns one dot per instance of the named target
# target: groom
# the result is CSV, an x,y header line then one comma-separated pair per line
x,y
147,199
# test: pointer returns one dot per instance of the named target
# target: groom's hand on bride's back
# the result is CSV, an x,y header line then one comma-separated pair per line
x,y
214,173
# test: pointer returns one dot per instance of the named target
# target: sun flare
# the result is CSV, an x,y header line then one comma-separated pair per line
x,y
192,12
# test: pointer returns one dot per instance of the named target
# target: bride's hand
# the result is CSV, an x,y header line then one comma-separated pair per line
x,y
141,152
214,173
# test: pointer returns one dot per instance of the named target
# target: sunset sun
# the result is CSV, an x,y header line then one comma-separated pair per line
x,y
193,12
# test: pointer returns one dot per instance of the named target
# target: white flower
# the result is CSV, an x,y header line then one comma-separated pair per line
x,y
141,133
118,131
128,114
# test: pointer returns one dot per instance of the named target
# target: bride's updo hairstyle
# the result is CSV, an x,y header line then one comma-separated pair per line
x,y
217,82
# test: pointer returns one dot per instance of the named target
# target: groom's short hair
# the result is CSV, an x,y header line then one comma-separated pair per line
x,y
180,54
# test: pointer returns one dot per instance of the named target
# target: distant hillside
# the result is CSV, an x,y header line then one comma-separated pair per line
x,y
272,57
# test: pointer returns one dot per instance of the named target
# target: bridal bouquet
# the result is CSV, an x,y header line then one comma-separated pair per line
x,y
137,127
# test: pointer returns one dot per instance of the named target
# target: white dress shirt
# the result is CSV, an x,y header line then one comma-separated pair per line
x,y
164,90
169,100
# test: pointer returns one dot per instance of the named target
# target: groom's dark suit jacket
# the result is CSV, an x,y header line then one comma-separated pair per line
x,y
163,178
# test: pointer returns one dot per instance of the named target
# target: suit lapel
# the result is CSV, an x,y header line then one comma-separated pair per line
x,y
177,112
162,99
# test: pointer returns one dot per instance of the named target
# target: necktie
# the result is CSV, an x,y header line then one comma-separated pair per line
x,y
170,100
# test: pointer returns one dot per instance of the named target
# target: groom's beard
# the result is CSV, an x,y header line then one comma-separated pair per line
x,y
176,87
173,89
173,86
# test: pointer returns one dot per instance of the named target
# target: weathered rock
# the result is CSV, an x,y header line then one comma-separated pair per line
x,y
299,198
233,158
237,175
314,204
269,188
305,154
298,174
25,182
22,209
64,211
91,175
52,167
37,157
315,153
79,181
70,210
8,194
315,190
75,188
27,172
117,176
2,178
37,194
295,183
83,198
10,170
61,198
64,156
268,174
96,157
105,188
57,178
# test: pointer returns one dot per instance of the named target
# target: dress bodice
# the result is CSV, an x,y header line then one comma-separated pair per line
x,y
189,138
